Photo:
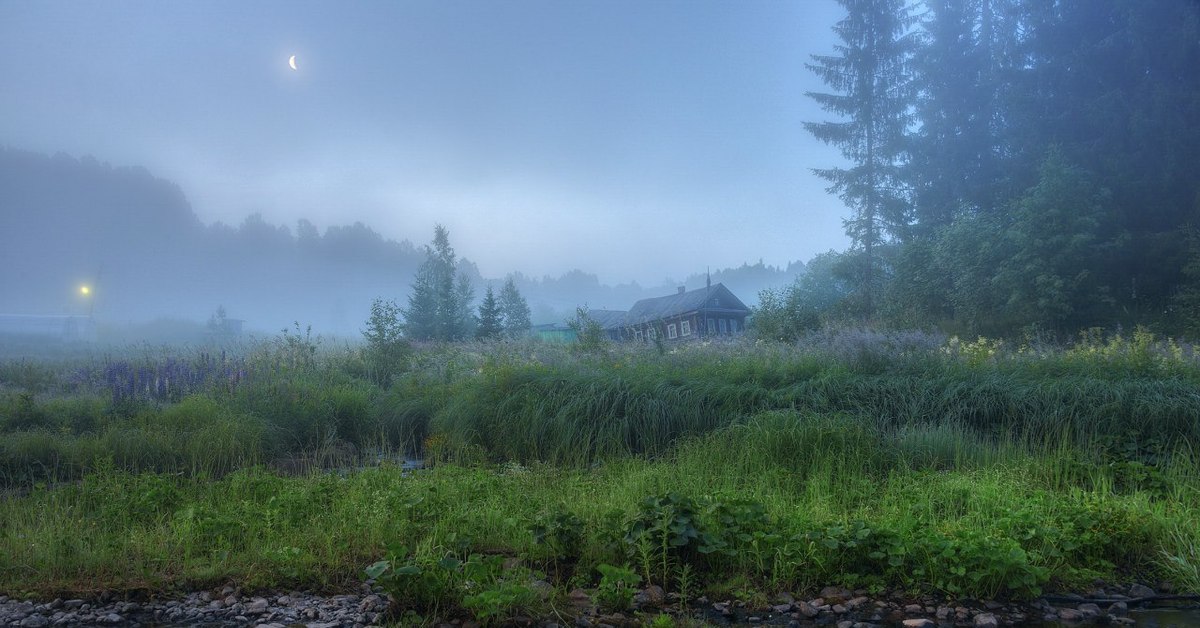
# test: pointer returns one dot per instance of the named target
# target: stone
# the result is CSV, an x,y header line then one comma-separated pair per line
x,y
857,602
918,623
913,609
1069,614
808,610
835,595
283,600
943,613
782,608
1089,609
35,621
257,606
579,598
652,595
986,620
1141,590
72,604
839,609
113,618
1118,608
845,623
544,589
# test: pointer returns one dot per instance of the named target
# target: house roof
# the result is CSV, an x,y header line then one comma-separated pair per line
x,y
608,319
716,297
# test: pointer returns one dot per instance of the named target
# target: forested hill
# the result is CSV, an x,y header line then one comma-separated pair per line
x,y
1017,164
65,222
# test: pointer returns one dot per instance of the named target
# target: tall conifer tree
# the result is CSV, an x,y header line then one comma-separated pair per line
x,y
439,306
491,321
871,91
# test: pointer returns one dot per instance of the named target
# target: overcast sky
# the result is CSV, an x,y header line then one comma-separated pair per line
x,y
635,139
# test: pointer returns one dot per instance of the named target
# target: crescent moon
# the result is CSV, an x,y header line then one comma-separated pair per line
x,y
292,62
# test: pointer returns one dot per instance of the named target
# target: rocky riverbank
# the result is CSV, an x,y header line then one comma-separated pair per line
x,y
835,607
224,607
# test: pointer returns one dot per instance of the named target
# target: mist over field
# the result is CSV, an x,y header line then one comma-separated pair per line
x,y
134,239
991,167
292,165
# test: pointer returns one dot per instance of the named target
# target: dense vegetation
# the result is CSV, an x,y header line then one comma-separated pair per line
x,y
901,461
1012,166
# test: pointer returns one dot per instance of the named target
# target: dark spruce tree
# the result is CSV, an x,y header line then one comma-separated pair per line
x,y
439,307
872,94
491,321
420,318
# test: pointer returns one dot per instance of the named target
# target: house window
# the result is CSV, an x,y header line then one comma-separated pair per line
x,y
650,333
712,327
637,334
733,325
671,331
685,328
724,329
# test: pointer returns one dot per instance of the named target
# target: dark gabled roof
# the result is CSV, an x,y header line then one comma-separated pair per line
x,y
608,319
681,303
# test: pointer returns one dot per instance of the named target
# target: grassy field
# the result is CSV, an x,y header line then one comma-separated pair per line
x,y
878,461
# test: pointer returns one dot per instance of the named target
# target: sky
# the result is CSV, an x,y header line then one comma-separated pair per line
x,y
636,140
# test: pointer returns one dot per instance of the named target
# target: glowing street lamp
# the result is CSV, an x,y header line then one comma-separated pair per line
x,y
85,291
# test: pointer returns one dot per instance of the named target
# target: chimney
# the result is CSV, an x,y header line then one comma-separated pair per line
x,y
682,289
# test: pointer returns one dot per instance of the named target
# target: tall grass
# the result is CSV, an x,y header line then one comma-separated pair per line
x,y
1108,397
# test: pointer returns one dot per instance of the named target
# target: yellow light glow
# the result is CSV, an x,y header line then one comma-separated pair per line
x,y
85,290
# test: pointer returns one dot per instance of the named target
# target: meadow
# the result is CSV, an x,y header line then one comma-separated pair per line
x,y
883,461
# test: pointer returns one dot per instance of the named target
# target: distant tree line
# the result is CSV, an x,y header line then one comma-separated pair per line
x,y
1013,166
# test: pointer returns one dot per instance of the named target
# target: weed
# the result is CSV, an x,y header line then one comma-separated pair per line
x,y
616,588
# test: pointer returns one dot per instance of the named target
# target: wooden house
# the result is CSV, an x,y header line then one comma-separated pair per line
x,y
702,313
